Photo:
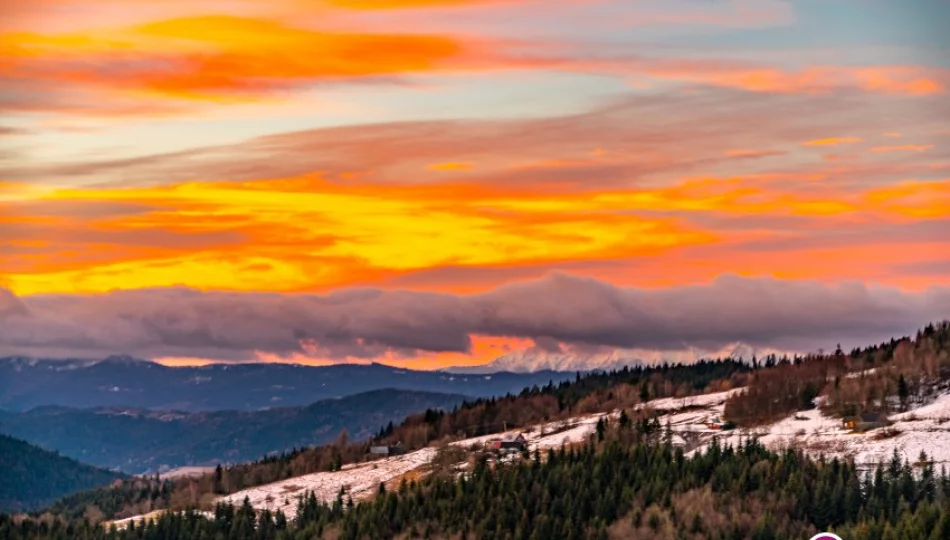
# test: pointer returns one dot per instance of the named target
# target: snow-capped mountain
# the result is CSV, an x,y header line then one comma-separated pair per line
x,y
528,361
532,359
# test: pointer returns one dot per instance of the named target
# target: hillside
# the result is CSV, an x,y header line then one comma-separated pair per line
x,y
140,440
918,430
32,478
917,439
127,382
636,406
621,482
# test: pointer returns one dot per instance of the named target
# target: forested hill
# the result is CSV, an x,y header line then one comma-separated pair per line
x,y
31,477
617,487
138,440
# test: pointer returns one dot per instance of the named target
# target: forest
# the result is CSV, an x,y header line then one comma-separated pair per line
x,y
617,485
31,477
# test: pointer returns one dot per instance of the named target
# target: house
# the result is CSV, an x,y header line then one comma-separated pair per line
x,y
715,423
390,450
866,421
510,442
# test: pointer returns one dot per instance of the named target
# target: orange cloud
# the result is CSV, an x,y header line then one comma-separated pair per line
x,y
216,56
897,80
238,58
319,235
917,200
451,166
747,153
302,233
832,141
903,148
402,4
484,349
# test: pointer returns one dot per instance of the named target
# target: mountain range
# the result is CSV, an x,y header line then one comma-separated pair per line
x,y
142,440
122,381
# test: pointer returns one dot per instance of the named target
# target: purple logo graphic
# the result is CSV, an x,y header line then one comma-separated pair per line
x,y
826,536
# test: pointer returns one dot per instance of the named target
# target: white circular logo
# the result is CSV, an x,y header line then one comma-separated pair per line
x,y
826,536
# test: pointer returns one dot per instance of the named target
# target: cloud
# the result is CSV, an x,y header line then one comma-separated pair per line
x,y
404,4
759,77
751,154
173,65
903,148
301,233
216,57
642,136
358,205
369,323
450,166
6,131
833,141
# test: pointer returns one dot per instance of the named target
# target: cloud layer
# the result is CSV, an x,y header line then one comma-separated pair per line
x,y
419,162
373,323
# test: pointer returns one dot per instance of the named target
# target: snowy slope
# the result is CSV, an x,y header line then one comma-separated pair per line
x,y
925,428
361,480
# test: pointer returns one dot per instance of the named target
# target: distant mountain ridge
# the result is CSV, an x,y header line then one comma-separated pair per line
x,y
137,440
31,477
533,362
124,381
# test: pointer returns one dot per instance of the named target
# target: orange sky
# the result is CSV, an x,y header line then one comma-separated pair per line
x,y
457,146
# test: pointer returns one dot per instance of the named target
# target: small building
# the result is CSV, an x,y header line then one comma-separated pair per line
x,y
390,450
715,423
866,421
510,442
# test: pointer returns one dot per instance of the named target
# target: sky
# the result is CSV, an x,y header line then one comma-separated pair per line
x,y
429,183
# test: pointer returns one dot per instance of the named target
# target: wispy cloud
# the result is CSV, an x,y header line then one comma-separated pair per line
x,y
164,65
833,141
903,148
216,57
681,183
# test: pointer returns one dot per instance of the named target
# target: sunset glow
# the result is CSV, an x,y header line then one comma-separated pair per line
x,y
455,147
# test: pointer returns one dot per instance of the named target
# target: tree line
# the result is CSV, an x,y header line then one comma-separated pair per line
x,y
884,378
